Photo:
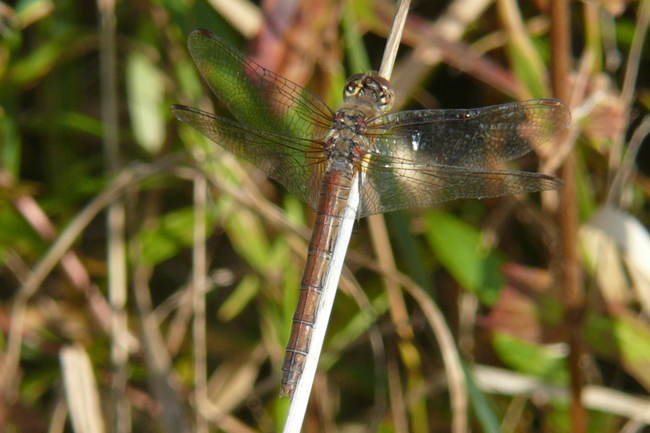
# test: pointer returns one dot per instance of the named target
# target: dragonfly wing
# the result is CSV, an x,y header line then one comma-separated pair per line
x,y
480,137
255,96
393,183
295,163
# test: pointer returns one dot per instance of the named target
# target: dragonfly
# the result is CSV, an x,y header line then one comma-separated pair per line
x,y
406,159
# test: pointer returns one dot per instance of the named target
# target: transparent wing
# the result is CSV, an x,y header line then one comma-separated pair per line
x,y
480,137
295,163
255,96
393,183
416,158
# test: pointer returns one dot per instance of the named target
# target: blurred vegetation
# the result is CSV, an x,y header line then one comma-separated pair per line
x,y
492,265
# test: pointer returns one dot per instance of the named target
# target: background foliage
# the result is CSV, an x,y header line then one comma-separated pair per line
x,y
493,266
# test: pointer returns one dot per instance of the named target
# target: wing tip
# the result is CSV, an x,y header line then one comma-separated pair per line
x,y
550,183
177,110
202,32
562,112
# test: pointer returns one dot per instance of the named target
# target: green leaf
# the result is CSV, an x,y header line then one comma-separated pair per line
x,y
145,96
481,406
459,248
81,122
188,79
248,237
545,362
240,298
17,234
524,58
30,11
353,330
10,148
624,339
172,232
359,61
527,68
42,60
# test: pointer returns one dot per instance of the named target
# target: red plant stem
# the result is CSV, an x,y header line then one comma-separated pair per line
x,y
571,277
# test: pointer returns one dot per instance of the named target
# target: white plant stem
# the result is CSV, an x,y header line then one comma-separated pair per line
x,y
301,394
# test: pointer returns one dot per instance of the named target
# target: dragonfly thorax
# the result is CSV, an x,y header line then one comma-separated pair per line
x,y
351,118
371,90
343,150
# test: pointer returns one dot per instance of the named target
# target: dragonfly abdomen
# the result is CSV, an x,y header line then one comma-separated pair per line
x,y
335,190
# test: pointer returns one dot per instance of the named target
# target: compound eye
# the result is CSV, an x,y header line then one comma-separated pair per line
x,y
382,81
386,97
385,92
351,89
353,85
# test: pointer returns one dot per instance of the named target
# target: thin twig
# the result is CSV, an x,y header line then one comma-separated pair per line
x,y
199,289
243,15
116,248
58,249
443,334
571,273
627,164
71,263
350,285
636,50
36,278
399,316
616,159
397,404
502,382
164,383
450,356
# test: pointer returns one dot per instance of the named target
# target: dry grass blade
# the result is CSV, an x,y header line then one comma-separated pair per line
x,y
56,252
629,86
81,391
444,337
450,355
399,316
598,398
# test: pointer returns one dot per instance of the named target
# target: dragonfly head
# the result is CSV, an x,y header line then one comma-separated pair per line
x,y
370,89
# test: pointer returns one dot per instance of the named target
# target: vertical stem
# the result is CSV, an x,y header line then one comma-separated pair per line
x,y
394,39
199,286
568,218
616,158
116,216
399,316
109,86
